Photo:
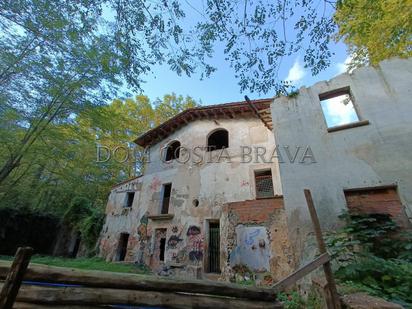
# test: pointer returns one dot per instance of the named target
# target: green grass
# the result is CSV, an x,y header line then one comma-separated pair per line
x,y
94,263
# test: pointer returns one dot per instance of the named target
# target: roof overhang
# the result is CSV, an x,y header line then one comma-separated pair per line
x,y
255,108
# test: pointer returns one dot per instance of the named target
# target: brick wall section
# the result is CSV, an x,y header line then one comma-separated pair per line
x,y
255,211
378,201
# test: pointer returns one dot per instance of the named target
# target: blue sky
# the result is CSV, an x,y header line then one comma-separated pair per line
x,y
222,86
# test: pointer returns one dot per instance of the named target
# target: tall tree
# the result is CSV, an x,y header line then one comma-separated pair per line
x,y
58,57
62,163
375,30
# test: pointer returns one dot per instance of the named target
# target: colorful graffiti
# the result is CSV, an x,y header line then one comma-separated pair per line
x,y
142,228
193,230
195,244
173,241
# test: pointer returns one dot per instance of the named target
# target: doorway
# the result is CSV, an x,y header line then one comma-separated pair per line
x,y
122,247
214,248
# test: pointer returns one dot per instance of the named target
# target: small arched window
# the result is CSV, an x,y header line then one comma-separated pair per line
x,y
173,151
218,139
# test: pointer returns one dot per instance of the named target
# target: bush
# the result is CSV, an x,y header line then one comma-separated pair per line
x,y
291,300
86,219
374,256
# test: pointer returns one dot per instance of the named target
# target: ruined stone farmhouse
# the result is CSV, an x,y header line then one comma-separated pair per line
x,y
223,189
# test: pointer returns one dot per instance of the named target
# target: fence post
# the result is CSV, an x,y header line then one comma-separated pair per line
x,y
14,278
322,249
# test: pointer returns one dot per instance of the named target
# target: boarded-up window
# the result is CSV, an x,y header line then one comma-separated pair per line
x,y
377,200
167,189
264,184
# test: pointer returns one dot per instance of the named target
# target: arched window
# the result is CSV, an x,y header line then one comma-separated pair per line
x,y
218,139
173,151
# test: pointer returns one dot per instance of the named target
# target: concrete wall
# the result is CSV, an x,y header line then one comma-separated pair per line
x,y
212,184
372,155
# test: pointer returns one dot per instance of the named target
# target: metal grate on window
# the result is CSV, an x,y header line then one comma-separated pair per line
x,y
264,186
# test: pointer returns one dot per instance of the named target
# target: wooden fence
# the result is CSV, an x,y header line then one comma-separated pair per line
x,y
98,288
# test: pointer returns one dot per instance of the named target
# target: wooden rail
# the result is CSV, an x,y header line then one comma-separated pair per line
x,y
104,288
333,300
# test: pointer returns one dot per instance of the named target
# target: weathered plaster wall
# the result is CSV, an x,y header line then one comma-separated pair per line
x,y
256,237
212,184
373,155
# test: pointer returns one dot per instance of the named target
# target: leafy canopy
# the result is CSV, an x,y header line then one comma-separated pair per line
x,y
375,30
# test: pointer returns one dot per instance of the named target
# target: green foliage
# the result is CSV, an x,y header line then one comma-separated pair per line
x,y
58,58
388,278
91,227
375,30
79,209
60,174
291,300
86,219
374,233
373,256
314,300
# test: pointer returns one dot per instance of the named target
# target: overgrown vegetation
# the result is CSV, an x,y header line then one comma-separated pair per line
x,y
373,255
60,174
291,300
86,263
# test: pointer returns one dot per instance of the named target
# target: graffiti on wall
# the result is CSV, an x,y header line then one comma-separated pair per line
x,y
175,246
143,237
173,241
252,248
195,244
155,184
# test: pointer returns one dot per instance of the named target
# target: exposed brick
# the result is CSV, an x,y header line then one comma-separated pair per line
x,y
256,211
378,201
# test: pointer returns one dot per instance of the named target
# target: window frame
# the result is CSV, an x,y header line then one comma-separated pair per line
x,y
163,199
335,93
167,148
214,131
126,202
255,182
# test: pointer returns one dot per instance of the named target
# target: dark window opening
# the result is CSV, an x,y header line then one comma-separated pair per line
x,y
214,247
76,246
122,248
167,189
173,151
129,199
162,247
264,184
218,140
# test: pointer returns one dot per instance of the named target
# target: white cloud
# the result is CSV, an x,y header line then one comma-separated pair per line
x,y
342,67
337,112
296,72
